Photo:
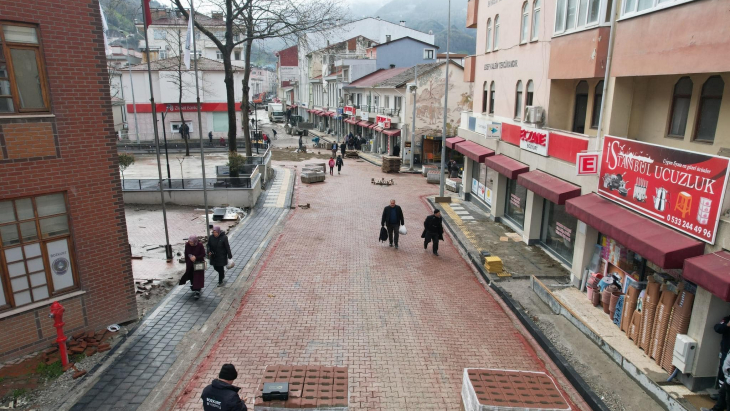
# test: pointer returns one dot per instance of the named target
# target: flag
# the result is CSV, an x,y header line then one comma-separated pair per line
x,y
189,40
146,13
105,28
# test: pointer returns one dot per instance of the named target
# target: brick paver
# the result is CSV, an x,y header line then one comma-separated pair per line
x,y
404,322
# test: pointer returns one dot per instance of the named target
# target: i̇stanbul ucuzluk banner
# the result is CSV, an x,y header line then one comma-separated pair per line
x,y
682,189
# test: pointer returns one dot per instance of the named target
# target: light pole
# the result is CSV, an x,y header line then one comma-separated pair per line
x,y
164,136
413,126
446,110
131,85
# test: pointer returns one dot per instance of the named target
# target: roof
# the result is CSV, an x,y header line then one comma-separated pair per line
x,y
173,19
351,44
170,63
452,55
395,77
376,78
405,38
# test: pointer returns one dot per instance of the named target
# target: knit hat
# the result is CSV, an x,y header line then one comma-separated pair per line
x,y
228,372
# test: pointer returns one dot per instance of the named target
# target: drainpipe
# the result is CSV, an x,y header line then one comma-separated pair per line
x,y
607,76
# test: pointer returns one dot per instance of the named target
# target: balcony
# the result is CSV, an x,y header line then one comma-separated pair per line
x,y
578,55
472,14
470,64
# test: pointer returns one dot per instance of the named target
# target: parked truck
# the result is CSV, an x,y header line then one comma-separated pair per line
x,y
276,112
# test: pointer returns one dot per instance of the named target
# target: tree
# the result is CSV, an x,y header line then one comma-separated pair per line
x,y
125,160
247,21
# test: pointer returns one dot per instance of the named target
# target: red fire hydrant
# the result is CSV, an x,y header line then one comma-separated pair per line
x,y
57,315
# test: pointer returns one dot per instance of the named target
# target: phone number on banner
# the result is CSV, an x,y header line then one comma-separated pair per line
x,y
686,225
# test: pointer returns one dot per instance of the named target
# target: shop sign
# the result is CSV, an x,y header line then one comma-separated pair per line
x,y
534,140
350,110
288,73
382,121
563,232
587,163
682,189
481,126
60,259
488,196
515,200
494,130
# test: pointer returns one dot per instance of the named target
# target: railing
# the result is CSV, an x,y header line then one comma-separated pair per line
x,y
388,111
221,183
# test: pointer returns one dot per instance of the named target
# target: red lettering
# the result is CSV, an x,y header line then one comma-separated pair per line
x,y
533,137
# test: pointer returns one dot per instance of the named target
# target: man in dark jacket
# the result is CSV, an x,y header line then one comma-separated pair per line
x,y
433,230
392,219
343,147
219,252
221,394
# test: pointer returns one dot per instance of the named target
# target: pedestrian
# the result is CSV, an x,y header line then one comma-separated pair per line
x,y
722,328
332,166
300,142
221,394
334,149
210,137
724,394
433,230
342,149
392,219
219,252
273,131
339,163
222,142
453,169
396,150
266,140
195,264
184,131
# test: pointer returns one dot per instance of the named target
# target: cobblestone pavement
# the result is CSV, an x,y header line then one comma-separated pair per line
x,y
405,322
134,374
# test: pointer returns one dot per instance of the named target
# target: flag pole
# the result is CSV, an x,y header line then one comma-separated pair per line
x,y
147,23
200,121
446,107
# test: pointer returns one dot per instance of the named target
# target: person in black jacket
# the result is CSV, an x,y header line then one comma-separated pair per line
x,y
723,328
219,252
339,163
392,219
433,230
221,394
343,147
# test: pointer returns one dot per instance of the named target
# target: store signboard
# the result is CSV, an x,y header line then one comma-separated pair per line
x,y
481,126
288,73
682,189
383,121
60,259
349,110
494,130
534,140
587,163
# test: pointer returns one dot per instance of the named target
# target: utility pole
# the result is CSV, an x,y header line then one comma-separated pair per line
x,y
131,85
413,125
442,181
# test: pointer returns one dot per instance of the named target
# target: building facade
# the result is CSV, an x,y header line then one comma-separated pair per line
x,y
287,74
403,52
543,100
63,235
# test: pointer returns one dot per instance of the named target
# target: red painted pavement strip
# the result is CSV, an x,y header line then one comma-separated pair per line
x,y
405,322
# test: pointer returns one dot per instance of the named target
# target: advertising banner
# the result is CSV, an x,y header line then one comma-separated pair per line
x,y
494,130
349,110
475,186
288,73
682,189
382,121
60,260
534,140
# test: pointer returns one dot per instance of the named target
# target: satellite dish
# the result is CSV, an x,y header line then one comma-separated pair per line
x,y
430,32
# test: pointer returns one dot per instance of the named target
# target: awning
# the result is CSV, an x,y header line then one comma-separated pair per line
x,y
373,125
309,111
711,272
364,123
547,186
659,244
351,121
452,141
473,150
392,133
378,129
331,113
506,166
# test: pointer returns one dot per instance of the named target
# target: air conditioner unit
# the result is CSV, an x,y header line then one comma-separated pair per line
x,y
534,114
685,349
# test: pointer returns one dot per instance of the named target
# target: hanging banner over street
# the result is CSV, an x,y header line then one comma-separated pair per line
x,y
681,189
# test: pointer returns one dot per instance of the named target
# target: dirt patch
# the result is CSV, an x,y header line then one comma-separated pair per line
x,y
151,292
290,154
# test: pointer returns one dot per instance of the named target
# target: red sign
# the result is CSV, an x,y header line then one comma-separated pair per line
x,y
382,121
534,140
349,110
587,163
186,107
682,189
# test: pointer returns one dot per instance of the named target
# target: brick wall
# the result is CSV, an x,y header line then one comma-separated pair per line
x,y
84,165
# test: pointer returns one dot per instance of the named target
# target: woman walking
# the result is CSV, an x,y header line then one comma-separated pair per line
x,y
342,149
332,166
219,252
195,264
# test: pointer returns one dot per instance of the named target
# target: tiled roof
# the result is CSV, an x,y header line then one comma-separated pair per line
x,y
378,77
406,38
169,64
175,20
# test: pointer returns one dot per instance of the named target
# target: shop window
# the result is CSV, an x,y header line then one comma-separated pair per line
x,y
489,35
535,19
518,100
530,93
23,84
36,259
514,205
709,110
492,92
558,231
524,28
220,122
680,107
485,98
496,32
597,99
581,106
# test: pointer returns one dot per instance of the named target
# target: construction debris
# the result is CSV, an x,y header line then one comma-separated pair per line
x,y
311,176
304,206
351,154
493,264
383,182
391,164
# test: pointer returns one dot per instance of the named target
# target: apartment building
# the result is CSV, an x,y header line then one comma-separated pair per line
x,y
587,165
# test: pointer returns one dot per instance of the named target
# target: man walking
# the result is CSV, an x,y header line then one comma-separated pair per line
x,y
433,230
343,148
210,138
221,394
334,149
392,219
722,328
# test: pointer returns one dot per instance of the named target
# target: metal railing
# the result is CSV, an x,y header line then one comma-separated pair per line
x,y
221,183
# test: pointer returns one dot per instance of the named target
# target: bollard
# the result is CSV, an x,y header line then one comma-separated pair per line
x,y
57,315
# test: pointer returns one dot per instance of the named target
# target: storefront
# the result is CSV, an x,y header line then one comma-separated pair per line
x,y
557,233
431,147
515,198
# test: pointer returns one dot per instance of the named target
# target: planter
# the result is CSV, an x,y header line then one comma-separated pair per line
x,y
612,303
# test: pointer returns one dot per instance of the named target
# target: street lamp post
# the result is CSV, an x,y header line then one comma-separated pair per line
x,y
131,85
446,110
164,137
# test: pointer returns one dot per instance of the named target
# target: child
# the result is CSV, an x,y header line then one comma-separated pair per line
x,y
339,164
332,166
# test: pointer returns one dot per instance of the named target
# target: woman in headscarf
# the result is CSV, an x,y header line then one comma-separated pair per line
x,y
195,254
219,252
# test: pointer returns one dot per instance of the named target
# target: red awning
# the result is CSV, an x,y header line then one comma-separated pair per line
x,y
350,121
332,113
392,133
452,141
309,111
659,244
373,125
378,129
547,186
505,165
473,150
711,272
364,123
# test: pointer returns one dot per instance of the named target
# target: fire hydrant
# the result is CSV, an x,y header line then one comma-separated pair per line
x,y
57,315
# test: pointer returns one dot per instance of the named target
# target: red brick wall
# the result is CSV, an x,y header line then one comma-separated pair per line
x,y
85,166
289,57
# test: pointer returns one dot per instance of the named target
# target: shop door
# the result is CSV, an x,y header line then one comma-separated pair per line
x,y
515,201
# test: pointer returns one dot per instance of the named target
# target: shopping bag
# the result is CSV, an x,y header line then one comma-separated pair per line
x,y
231,264
199,266
402,230
383,234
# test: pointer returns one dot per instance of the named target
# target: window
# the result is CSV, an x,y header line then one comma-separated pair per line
x,y
485,98
581,106
530,93
218,55
36,260
220,122
23,85
597,99
496,33
428,54
709,110
398,103
163,54
220,35
570,17
525,24
492,92
376,101
175,126
558,231
680,107
573,15
159,34
515,203
535,19
518,100
560,16
237,55
387,38
387,102
489,35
